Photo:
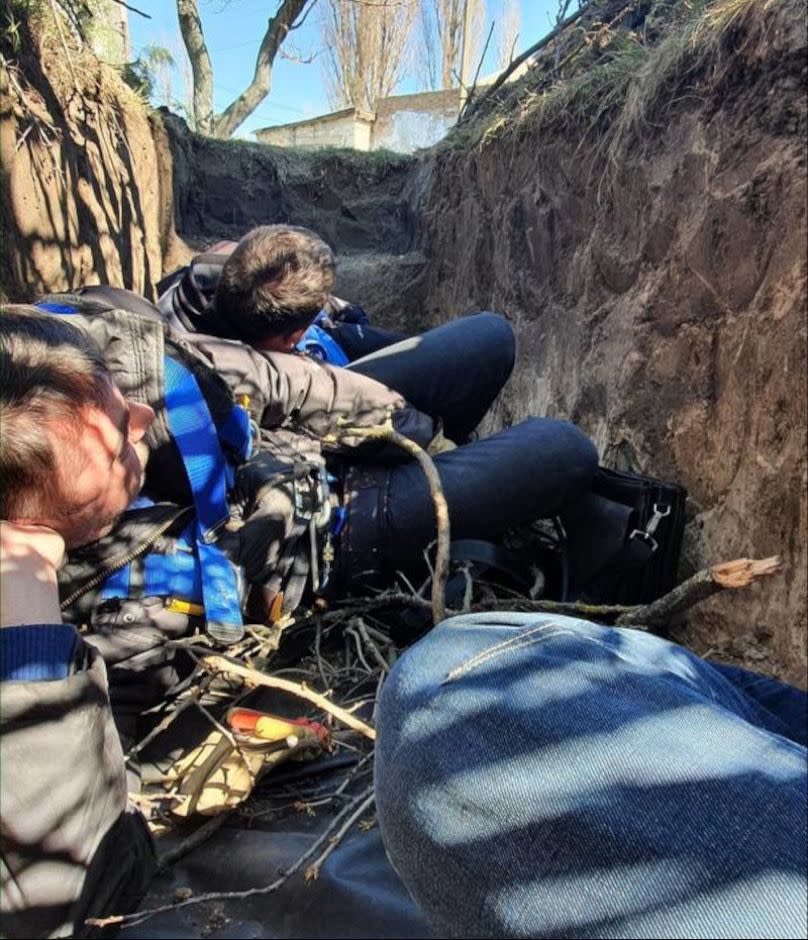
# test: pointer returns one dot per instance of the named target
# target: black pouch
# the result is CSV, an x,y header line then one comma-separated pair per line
x,y
644,562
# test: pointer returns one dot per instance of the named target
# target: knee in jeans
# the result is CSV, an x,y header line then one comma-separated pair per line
x,y
495,336
583,452
580,454
498,335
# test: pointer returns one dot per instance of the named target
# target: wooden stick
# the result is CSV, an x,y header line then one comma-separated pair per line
x,y
354,605
202,834
313,871
221,664
474,107
730,574
387,433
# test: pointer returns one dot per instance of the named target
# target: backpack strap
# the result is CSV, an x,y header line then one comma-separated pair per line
x,y
198,442
319,343
176,576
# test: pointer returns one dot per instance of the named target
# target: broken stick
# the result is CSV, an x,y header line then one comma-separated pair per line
x,y
385,432
730,574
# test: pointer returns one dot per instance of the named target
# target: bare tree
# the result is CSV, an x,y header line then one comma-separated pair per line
x,y
442,38
289,15
366,46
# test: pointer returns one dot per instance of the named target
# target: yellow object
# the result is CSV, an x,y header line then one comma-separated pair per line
x,y
276,608
274,729
178,606
244,401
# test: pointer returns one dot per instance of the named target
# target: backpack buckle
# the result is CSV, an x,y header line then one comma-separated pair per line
x,y
312,497
646,537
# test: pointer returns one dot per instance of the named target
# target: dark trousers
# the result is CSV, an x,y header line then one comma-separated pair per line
x,y
362,339
533,470
453,372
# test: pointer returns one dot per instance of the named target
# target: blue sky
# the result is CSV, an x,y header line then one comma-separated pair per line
x,y
233,31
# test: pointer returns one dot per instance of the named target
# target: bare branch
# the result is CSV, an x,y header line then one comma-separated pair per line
x,y
441,573
366,45
139,917
222,664
473,108
731,574
133,9
242,107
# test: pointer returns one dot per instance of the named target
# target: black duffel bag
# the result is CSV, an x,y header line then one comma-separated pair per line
x,y
643,524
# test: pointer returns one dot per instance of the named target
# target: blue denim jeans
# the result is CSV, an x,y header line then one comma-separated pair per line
x,y
541,776
532,470
453,372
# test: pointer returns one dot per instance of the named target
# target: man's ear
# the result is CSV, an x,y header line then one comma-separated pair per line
x,y
294,337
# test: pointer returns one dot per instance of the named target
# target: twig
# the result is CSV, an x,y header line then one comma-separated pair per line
x,y
202,834
133,9
140,916
570,608
480,63
349,779
351,632
313,871
68,57
731,574
221,664
504,76
25,133
400,599
168,720
362,630
388,433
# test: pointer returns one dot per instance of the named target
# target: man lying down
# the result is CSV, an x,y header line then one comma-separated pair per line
x,y
72,462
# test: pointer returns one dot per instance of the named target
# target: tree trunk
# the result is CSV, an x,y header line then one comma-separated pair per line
x,y
242,107
194,39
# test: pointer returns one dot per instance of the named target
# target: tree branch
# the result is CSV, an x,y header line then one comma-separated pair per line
x,y
731,574
222,664
473,109
387,433
133,9
242,107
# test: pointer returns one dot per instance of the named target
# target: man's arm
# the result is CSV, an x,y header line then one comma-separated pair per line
x,y
289,389
70,847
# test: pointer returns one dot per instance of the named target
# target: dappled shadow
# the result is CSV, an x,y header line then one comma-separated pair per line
x,y
540,782
77,214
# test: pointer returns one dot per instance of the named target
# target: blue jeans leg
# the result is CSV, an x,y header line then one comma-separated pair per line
x,y
453,372
529,471
539,776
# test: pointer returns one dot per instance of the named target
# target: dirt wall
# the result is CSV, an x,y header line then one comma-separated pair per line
x,y
661,303
80,196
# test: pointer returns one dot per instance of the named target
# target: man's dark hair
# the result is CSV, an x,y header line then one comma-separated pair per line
x,y
49,372
275,282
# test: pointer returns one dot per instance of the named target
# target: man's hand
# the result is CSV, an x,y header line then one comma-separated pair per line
x,y
30,556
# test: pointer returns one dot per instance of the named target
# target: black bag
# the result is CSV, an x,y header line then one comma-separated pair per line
x,y
647,524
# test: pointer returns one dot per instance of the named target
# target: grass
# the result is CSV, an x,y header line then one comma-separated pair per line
x,y
621,82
